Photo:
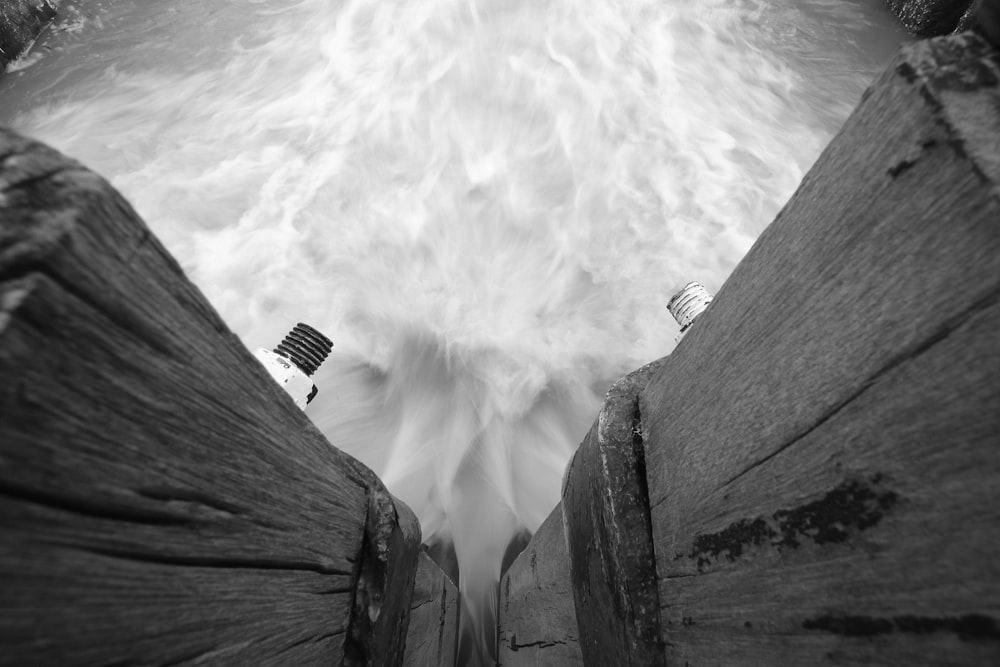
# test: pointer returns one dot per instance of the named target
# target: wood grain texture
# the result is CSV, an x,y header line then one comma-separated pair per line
x,y
162,499
928,18
384,587
537,621
988,20
21,21
432,637
821,449
605,507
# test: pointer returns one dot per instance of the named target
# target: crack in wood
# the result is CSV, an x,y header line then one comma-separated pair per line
x,y
608,532
142,335
970,627
27,181
193,656
311,640
87,507
946,328
540,644
186,498
422,604
383,580
335,591
210,562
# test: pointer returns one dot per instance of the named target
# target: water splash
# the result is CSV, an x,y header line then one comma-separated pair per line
x,y
485,203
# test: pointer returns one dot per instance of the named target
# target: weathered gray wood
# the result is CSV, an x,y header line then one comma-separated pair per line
x,y
432,638
20,23
537,621
384,587
605,508
928,18
162,613
988,20
517,543
161,497
821,449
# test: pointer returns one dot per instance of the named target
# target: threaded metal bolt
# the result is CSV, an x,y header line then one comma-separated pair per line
x,y
305,347
689,303
295,359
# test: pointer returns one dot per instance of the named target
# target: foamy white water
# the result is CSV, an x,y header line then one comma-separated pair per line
x,y
486,204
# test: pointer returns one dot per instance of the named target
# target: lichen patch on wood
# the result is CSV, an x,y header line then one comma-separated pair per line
x,y
969,627
851,507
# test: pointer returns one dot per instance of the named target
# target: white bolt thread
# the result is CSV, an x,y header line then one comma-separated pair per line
x,y
689,303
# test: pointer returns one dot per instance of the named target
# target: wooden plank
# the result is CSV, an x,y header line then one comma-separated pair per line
x,y
821,448
605,507
432,638
537,620
135,428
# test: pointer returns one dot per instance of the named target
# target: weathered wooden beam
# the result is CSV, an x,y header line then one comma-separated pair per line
x,y
822,448
162,499
21,21
432,638
930,18
385,582
605,507
536,617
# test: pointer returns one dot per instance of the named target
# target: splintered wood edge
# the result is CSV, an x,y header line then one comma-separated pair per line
x,y
30,234
608,458
54,207
534,584
959,77
386,575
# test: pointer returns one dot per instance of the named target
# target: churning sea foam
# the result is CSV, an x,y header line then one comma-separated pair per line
x,y
486,204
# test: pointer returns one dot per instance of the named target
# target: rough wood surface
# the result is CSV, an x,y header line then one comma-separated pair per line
x,y
384,588
605,508
162,499
988,20
928,18
20,23
821,449
432,638
537,621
